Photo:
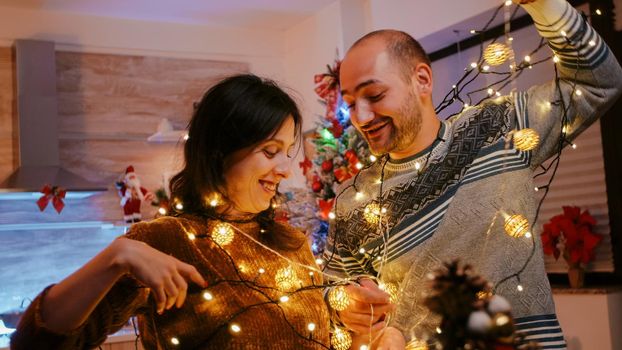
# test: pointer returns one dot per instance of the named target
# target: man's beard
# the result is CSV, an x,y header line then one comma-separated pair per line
x,y
134,184
404,130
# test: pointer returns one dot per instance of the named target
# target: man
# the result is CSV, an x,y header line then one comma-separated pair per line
x,y
446,187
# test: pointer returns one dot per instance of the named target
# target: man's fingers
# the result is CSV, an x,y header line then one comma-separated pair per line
x,y
368,295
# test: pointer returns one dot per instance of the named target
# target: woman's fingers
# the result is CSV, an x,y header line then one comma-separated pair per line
x,y
190,273
182,288
171,292
160,298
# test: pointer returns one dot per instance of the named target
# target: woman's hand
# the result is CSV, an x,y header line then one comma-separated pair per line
x,y
165,275
368,306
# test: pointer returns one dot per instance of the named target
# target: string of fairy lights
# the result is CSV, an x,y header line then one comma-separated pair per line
x,y
288,283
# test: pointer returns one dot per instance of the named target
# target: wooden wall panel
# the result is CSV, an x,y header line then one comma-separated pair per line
x,y
108,106
8,151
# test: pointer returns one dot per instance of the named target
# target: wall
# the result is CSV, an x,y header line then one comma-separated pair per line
x,y
108,106
8,157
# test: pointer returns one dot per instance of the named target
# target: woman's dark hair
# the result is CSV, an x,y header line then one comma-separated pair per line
x,y
238,112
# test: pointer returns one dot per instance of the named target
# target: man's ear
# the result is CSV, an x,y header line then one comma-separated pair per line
x,y
422,78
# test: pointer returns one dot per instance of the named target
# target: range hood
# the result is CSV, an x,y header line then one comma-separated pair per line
x,y
37,115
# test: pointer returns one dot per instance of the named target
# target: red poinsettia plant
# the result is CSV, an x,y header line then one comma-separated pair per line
x,y
571,234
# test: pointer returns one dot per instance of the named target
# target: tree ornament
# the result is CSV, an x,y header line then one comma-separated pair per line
x,y
286,279
222,234
338,298
496,53
341,339
526,139
327,165
516,225
317,186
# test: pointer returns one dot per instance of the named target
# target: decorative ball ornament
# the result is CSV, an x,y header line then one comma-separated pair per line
x,y
222,234
372,213
496,53
526,139
338,298
479,322
341,339
286,279
327,165
391,289
316,187
516,225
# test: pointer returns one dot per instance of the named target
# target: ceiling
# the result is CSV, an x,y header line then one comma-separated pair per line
x,y
266,14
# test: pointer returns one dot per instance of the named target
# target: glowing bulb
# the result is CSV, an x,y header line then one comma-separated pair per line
x,y
592,43
311,273
341,339
359,166
235,328
486,67
362,250
491,91
358,196
319,261
186,137
208,296
372,212
563,33
536,188
527,58
526,139
286,279
261,270
373,158
598,12
574,146
438,330
179,206
472,31
338,298
417,166
453,86
578,92
528,235
391,289
284,299
556,59
162,211
502,320
516,225
174,341
222,234
191,236
510,39
508,3
332,215
364,347
213,203
311,327
519,288
473,65
466,105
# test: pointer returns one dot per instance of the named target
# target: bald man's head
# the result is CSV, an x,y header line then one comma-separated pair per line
x,y
403,49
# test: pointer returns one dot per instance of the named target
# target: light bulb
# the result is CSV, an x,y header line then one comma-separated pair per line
x,y
311,326
162,211
341,339
526,139
519,288
284,299
373,158
222,234
191,236
235,328
174,341
179,206
516,225
208,296
332,215
338,298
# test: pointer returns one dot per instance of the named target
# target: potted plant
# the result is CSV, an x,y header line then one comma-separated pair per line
x,y
571,235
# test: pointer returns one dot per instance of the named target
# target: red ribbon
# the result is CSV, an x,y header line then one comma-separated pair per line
x,y
305,165
53,193
325,207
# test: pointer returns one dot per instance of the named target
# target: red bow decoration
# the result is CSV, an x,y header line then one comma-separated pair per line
x,y
327,88
336,129
325,207
53,193
343,174
305,165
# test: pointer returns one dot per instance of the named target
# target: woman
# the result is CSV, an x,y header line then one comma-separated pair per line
x,y
220,274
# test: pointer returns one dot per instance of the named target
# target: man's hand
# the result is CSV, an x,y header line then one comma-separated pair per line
x,y
368,307
390,339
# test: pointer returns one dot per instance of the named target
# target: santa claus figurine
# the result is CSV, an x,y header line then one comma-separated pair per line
x,y
132,194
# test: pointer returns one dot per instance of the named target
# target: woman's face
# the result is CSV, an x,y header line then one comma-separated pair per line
x,y
253,174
